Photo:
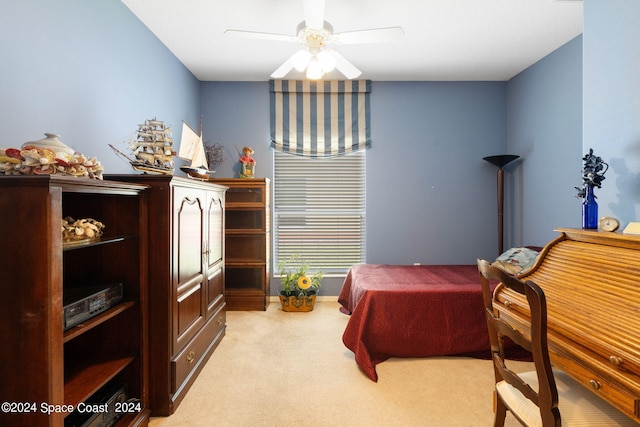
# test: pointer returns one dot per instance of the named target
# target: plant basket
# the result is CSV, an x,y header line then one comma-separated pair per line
x,y
300,304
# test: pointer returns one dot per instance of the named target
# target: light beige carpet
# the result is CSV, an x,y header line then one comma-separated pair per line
x,y
291,369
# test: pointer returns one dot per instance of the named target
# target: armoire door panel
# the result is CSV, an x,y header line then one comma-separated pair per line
x,y
215,291
216,231
189,314
188,236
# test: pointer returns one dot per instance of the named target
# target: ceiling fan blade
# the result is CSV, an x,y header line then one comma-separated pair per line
x,y
377,35
345,67
283,70
314,14
261,36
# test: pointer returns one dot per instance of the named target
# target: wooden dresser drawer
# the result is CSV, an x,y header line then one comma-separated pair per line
x,y
597,367
625,400
191,359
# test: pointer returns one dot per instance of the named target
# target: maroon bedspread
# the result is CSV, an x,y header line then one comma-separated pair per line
x,y
412,311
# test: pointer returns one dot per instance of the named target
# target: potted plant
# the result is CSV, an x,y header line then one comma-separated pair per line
x,y
299,290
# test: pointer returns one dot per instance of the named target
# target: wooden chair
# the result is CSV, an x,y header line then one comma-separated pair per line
x,y
544,397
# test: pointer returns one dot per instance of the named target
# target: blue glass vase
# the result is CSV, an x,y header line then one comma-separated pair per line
x,y
589,210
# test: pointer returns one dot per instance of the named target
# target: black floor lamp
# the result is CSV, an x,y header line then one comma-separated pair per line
x,y
500,161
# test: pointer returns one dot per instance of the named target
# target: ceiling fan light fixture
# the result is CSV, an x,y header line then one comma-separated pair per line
x,y
301,59
314,69
327,61
315,36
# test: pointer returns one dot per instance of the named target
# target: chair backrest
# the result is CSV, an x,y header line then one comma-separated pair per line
x,y
546,398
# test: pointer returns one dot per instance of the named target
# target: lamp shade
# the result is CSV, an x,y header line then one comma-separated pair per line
x,y
301,59
501,160
314,69
327,60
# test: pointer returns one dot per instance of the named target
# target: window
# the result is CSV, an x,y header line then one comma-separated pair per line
x,y
319,133
319,210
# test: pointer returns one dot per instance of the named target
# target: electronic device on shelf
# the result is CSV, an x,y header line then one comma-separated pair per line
x,y
102,409
82,303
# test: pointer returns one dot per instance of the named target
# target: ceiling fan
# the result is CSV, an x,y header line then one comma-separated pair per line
x,y
315,37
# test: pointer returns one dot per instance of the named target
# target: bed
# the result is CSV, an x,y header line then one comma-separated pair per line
x,y
415,311
412,311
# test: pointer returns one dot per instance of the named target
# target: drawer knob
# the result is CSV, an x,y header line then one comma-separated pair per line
x,y
508,303
615,360
219,320
595,384
191,356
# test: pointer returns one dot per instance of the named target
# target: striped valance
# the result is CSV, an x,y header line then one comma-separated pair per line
x,y
320,118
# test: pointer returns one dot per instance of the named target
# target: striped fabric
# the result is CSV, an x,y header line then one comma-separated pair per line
x,y
320,118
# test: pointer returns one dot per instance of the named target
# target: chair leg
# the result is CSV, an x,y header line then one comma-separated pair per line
x,y
500,410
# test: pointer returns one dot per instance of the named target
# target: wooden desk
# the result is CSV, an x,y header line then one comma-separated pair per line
x,y
592,283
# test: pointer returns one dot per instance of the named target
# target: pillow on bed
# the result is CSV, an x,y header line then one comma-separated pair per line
x,y
515,260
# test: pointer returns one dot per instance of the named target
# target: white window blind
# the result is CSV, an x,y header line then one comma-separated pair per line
x,y
319,210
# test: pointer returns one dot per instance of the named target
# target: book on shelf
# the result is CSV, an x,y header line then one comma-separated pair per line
x,y
632,228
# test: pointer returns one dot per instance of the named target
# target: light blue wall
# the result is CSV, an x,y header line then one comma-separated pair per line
x,y
544,127
236,114
430,196
88,71
612,101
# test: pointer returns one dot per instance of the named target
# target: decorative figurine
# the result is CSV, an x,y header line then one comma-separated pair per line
x,y
247,163
151,150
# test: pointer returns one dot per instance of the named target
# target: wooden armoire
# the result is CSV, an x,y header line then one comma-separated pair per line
x,y
186,282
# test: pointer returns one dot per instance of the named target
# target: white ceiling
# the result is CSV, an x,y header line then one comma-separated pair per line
x,y
444,39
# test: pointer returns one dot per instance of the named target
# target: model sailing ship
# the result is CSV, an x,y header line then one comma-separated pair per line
x,y
192,149
152,148
153,153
